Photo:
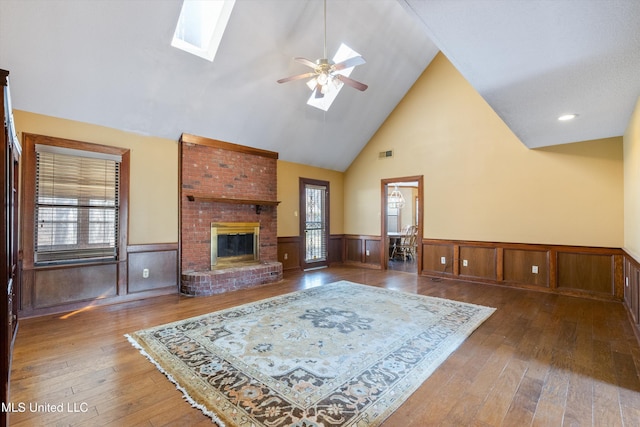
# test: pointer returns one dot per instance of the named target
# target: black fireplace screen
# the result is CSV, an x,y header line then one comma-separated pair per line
x,y
238,244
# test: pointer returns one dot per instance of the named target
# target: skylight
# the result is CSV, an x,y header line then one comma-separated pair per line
x,y
201,25
344,52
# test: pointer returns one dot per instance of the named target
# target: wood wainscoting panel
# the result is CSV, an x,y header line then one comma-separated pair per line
x,y
290,247
632,288
481,262
372,254
60,286
162,266
354,249
518,267
289,252
628,288
63,288
592,272
588,272
635,295
632,291
336,249
432,254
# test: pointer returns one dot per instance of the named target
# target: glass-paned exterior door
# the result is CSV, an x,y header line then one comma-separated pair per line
x,y
314,222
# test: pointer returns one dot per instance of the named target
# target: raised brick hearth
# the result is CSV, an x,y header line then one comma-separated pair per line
x,y
203,283
210,171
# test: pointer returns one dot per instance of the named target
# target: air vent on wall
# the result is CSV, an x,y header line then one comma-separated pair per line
x,y
385,154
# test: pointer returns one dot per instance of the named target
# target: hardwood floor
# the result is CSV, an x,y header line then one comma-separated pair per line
x,y
408,266
539,360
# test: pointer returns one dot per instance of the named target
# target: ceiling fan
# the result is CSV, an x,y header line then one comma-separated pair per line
x,y
325,73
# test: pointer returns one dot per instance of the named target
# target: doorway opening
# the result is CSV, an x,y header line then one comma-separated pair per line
x,y
402,223
314,222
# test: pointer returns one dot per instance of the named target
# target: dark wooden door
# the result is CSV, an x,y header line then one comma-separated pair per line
x,y
9,237
314,222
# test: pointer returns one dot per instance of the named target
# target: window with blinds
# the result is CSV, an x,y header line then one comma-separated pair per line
x,y
76,206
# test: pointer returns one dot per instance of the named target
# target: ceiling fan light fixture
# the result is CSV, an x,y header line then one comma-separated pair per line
x,y
329,76
323,79
343,55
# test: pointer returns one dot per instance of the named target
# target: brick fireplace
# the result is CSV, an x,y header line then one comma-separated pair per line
x,y
225,183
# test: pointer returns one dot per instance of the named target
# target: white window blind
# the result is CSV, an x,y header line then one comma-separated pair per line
x,y
77,202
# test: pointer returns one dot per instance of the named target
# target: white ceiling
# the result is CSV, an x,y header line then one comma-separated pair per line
x,y
109,62
535,60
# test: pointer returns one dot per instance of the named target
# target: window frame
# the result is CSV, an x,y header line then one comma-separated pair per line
x,y
64,228
29,196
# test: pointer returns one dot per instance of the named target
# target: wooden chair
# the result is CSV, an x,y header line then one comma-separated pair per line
x,y
408,245
394,241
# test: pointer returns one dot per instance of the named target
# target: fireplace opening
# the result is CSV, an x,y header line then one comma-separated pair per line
x,y
234,243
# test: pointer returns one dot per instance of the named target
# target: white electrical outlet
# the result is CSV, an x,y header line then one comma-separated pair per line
x,y
286,256
145,273
465,263
534,269
368,253
443,260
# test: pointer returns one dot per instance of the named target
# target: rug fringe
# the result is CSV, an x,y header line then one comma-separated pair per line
x,y
185,394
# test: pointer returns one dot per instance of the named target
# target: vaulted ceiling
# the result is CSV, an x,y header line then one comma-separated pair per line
x,y
110,63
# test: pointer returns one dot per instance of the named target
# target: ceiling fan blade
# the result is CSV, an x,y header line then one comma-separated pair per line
x,y
296,77
353,83
305,61
348,63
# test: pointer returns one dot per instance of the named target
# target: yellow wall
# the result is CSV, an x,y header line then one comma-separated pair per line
x,y
480,182
153,204
289,175
153,210
632,185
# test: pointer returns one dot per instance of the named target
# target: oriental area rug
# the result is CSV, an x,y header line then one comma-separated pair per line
x,y
341,354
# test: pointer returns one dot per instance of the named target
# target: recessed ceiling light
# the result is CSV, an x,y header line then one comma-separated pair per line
x,y
566,117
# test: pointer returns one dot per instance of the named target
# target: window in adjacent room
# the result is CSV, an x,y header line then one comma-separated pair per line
x,y
77,202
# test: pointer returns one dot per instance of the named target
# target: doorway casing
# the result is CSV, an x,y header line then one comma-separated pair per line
x,y
384,191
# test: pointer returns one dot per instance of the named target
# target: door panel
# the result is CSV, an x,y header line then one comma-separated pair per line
x,y
314,222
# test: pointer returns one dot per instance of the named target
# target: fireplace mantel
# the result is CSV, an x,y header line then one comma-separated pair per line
x,y
207,198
